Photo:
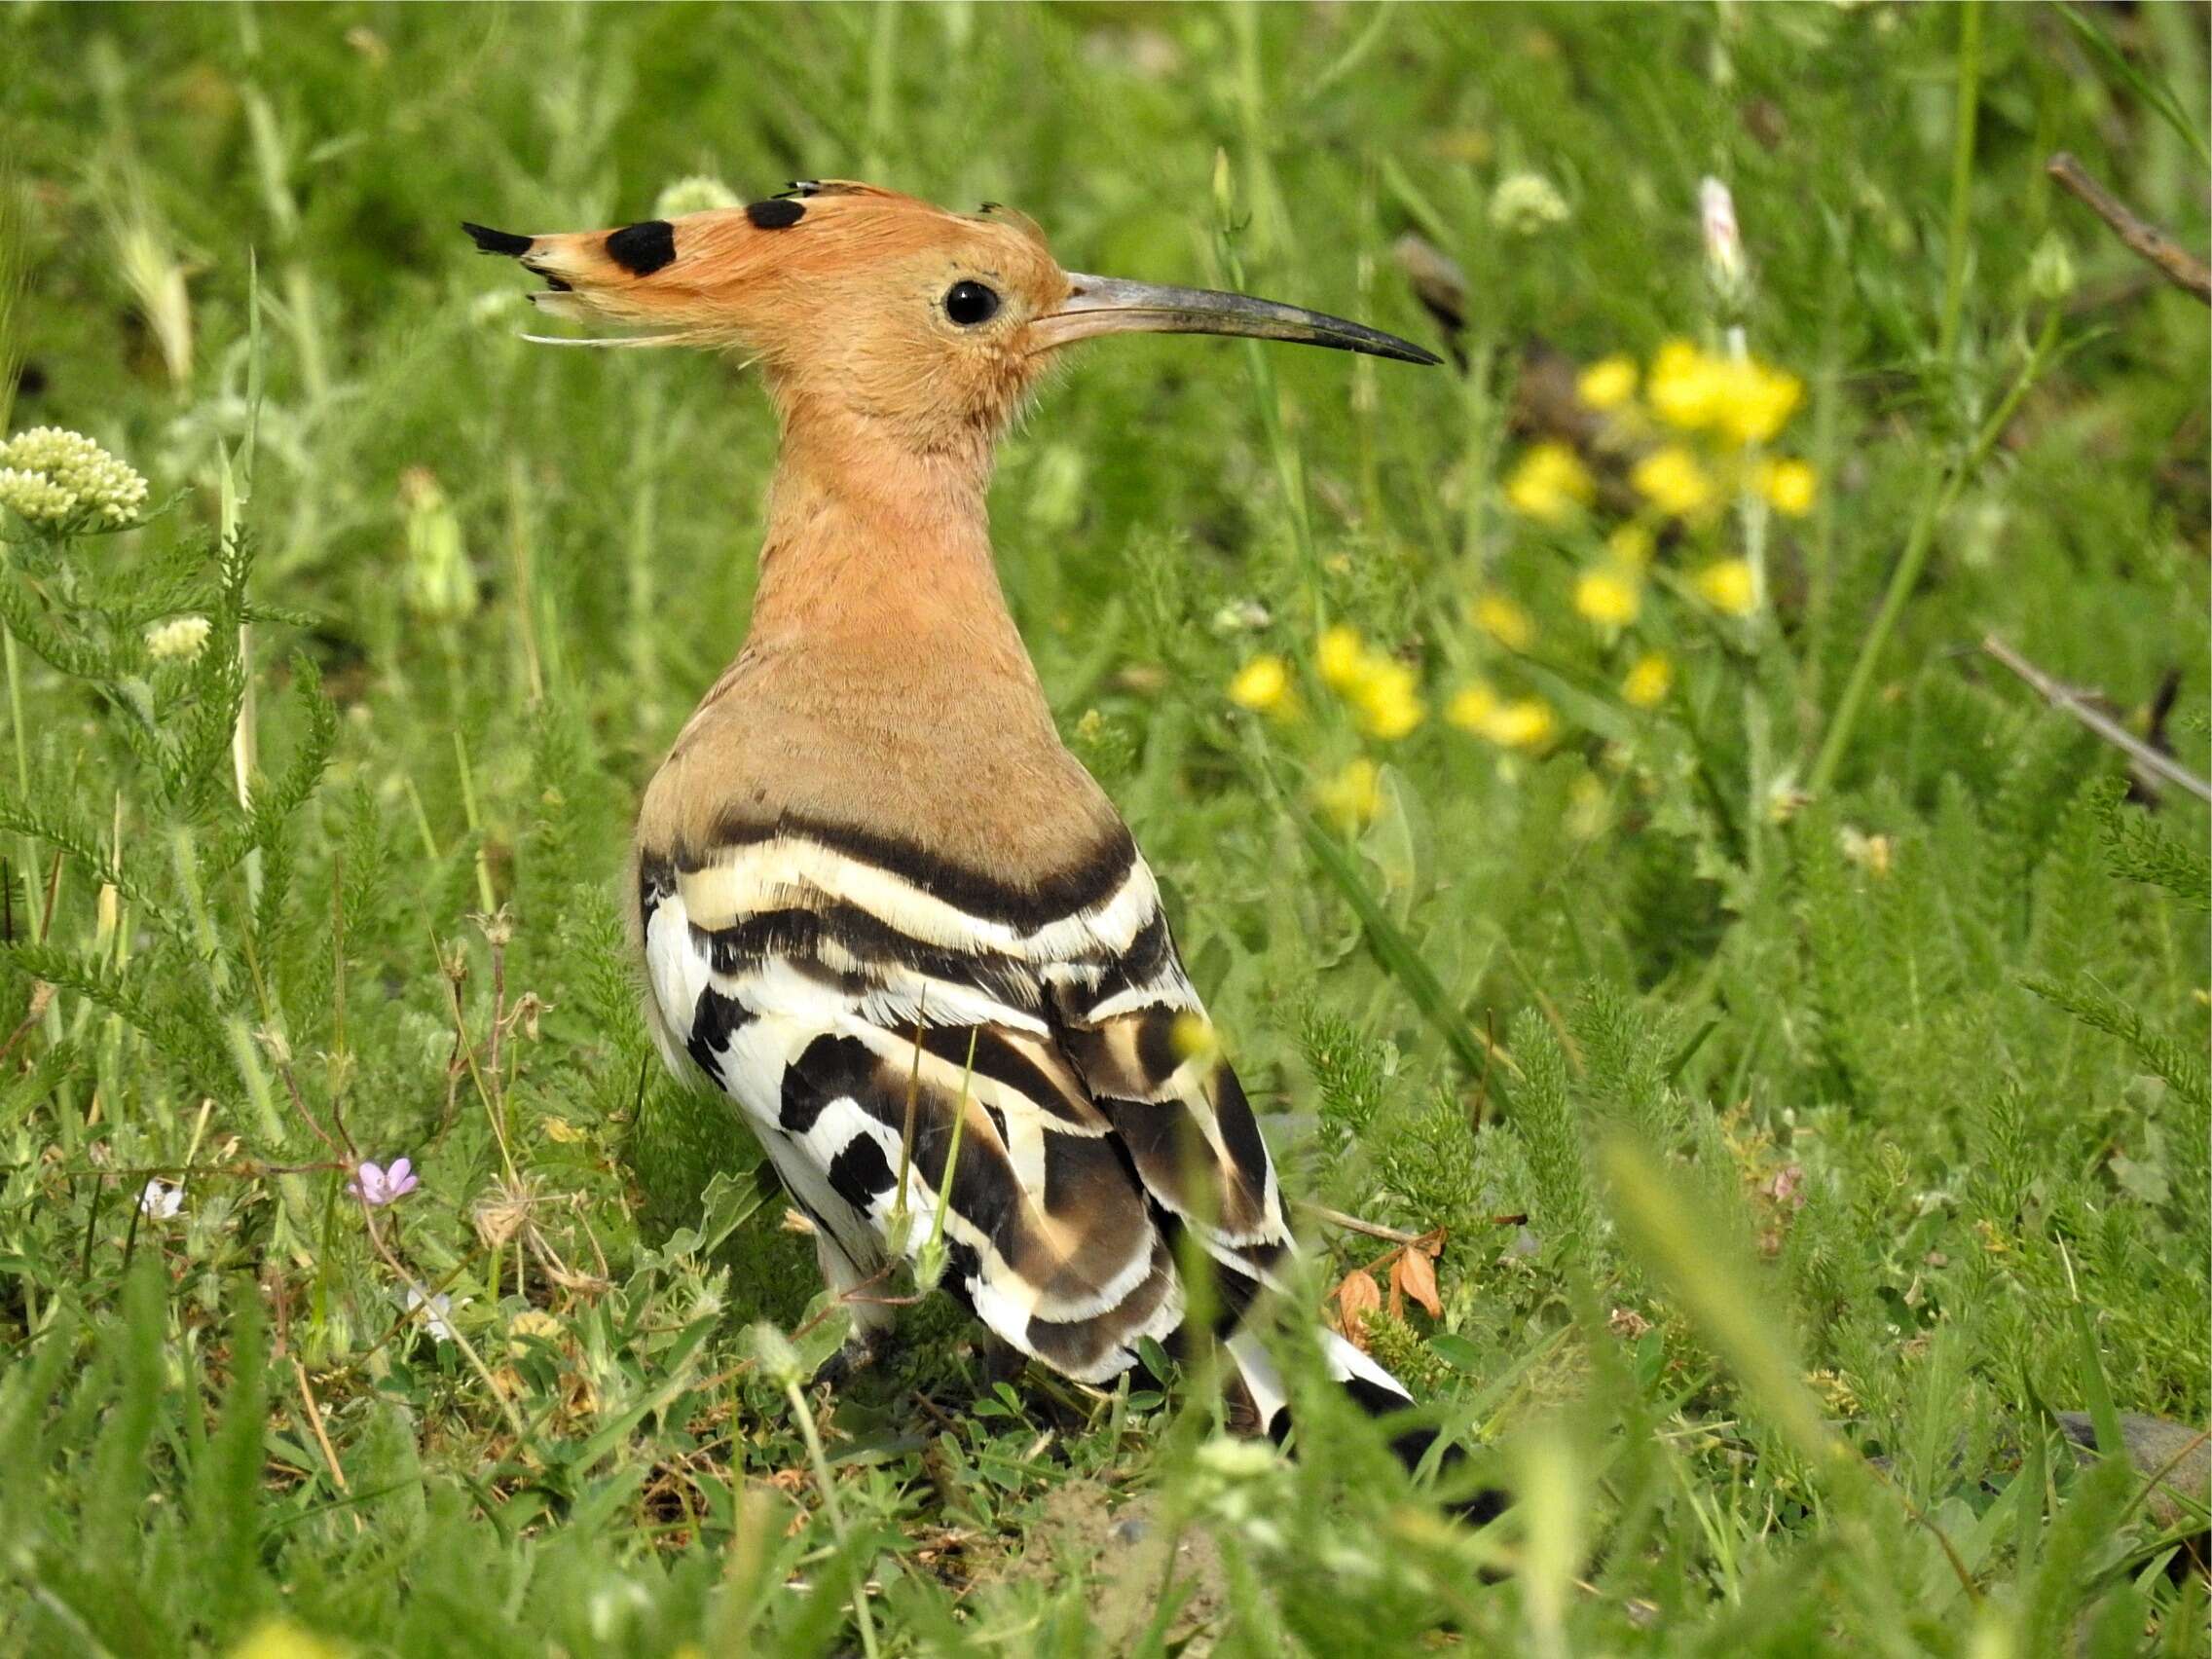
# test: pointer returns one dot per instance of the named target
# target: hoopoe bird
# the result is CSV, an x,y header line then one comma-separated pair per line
x,y
881,907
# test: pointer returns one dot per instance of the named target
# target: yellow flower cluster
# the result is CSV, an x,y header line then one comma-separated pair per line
x,y
1549,484
1674,480
1516,723
1383,692
1744,401
1731,403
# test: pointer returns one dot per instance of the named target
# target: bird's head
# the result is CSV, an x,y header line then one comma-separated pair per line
x,y
923,326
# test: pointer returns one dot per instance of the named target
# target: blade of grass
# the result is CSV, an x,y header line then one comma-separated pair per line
x,y
1398,953
2158,96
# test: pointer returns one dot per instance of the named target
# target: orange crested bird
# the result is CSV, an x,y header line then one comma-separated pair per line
x,y
882,908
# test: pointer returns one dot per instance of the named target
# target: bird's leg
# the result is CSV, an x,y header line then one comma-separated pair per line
x,y
873,1321
1001,1360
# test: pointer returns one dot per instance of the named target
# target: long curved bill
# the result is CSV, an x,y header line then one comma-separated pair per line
x,y
1108,305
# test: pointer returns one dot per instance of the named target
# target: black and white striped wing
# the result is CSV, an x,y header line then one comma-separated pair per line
x,y
877,1015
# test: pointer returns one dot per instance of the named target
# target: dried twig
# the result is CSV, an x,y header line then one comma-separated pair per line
x,y
2182,268
2064,697
1373,1228
314,1423
41,994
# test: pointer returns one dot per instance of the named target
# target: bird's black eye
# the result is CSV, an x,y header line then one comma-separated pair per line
x,y
970,303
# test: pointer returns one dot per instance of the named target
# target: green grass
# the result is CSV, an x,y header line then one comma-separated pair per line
x,y
1806,1073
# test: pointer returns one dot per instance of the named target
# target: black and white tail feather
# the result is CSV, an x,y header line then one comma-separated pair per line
x,y
871,1010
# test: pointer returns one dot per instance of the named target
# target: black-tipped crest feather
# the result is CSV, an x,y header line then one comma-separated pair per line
x,y
489,240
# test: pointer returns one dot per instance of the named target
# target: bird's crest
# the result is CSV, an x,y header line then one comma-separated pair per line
x,y
714,277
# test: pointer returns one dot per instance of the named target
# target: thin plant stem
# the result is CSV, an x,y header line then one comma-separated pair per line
x,y
1968,110
16,715
484,892
821,1464
30,849
1940,496
952,1152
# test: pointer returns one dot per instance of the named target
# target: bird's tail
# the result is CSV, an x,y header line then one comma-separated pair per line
x,y
1370,1386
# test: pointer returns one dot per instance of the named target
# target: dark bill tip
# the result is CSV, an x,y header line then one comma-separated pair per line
x,y
1108,305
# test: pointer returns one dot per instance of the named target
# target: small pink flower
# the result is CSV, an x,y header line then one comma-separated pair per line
x,y
377,1187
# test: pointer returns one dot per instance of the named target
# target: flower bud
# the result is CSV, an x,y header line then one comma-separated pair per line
x,y
440,585
1723,243
2050,269
778,1361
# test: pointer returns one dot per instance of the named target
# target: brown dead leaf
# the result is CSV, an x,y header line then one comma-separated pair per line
x,y
1414,1273
1357,1297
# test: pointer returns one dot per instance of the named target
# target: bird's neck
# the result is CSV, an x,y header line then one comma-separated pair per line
x,y
880,555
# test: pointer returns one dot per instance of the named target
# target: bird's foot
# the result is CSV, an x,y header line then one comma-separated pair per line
x,y
860,1349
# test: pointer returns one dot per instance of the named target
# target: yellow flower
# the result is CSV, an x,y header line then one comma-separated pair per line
x,y
1791,485
1388,700
1609,382
1673,481
1550,484
1353,796
1632,543
1342,656
1504,621
1648,681
1526,723
1685,384
1471,708
1607,595
1261,685
1383,692
1193,1036
1757,401
1726,585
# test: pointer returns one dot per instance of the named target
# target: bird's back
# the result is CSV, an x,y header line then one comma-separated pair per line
x,y
901,958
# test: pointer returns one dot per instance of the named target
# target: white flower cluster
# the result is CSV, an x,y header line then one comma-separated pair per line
x,y
697,193
51,476
1526,203
178,640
